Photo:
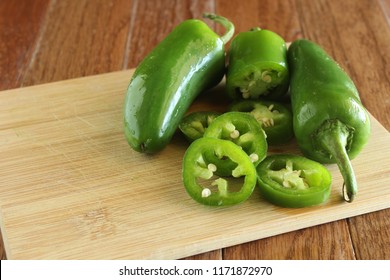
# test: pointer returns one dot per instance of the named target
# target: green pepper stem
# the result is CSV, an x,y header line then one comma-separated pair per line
x,y
255,29
229,26
333,138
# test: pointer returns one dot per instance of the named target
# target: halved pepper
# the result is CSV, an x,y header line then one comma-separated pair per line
x,y
257,66
199,169
275,118
243,130
293,181
194,125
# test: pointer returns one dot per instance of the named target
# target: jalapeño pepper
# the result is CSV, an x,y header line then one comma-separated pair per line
x,y
275,118
257,66
194,125
330,123
293,181
243,130
199,169
188,61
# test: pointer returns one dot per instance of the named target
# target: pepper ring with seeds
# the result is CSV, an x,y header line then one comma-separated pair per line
x,y
243,130
201,180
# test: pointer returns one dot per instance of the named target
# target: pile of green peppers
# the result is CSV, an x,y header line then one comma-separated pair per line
x,y
277,94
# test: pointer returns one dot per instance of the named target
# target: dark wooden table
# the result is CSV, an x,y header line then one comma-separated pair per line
x,y
49,40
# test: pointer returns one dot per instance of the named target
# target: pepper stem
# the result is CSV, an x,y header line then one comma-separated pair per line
x,y
229,26
333,137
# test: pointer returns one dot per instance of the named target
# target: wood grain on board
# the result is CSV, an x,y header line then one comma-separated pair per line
x,y
50,40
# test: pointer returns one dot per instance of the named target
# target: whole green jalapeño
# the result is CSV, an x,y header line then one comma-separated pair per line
x,y
188,61
330,123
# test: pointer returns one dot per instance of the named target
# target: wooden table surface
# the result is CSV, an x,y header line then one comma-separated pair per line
x,y
43,41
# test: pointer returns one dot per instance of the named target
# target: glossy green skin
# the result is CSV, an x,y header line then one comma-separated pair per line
x,y
317,176
282,130
321,90
254,51
206,148
188,61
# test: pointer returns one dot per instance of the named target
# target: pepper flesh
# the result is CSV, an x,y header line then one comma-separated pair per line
x,y
243,130
194,125
188,61
257,66
330,123
200,180
293,181
275,118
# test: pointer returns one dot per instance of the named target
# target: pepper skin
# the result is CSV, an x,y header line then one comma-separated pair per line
x,y
274,117
201,182
188,61
330,123
257,66
293,181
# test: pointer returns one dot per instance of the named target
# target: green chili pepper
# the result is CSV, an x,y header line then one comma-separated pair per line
x,y
293,181
330,123
275,118
194,125
243,130
257,66
204,186
188,61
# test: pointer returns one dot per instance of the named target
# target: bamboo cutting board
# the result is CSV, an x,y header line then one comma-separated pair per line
x,y
72,188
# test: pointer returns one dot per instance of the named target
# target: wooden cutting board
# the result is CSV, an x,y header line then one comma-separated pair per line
x,y
72,188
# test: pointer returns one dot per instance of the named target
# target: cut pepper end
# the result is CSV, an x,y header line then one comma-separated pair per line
x,y
348,196
258,83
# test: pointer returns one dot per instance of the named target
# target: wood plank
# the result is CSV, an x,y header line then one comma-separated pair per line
x,y
26,46
3,255
370,235
151,21
80,38
263,14
20,23
212,255
369,66
329,241
385,5
66,182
